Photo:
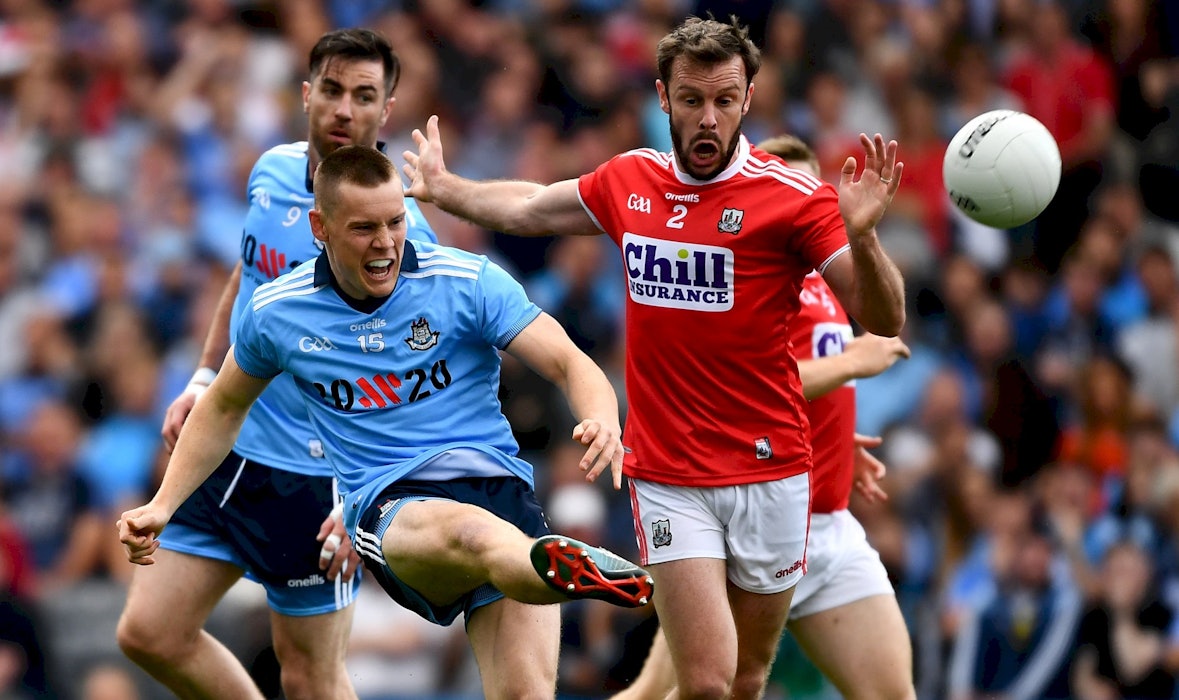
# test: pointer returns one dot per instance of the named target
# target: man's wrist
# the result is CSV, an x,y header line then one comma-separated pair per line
x,y
201,379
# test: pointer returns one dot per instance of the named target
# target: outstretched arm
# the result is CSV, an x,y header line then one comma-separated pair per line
x,y
867,282
865,356
545,347
515,207
211,431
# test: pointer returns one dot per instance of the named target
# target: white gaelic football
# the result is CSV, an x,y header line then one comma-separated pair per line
x,y
1002,168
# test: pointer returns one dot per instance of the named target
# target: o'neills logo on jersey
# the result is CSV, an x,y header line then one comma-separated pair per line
x,y
677,275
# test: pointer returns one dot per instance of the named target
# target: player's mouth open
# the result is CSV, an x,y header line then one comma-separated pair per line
x,y
340,135
379,268
705,153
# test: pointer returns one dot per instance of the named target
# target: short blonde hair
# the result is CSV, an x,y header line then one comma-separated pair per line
x,y
791,149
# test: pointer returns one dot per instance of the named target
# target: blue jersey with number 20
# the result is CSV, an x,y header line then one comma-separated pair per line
x,y
389,390
275,240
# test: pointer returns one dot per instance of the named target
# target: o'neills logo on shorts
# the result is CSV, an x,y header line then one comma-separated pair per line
x,y
677,275
783,573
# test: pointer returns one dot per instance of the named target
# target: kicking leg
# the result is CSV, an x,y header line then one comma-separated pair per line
x,y
444,549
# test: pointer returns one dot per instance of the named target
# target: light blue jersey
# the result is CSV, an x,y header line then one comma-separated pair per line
x,y
404,386
277,239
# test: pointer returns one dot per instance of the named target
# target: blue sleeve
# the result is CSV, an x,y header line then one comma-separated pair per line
x,y
417,228
252,347
504,306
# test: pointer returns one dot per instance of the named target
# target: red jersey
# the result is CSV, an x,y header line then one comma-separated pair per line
x,y
1061,93
821,329
714,272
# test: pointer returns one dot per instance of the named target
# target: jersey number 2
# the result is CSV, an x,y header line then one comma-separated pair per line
x,y
677,218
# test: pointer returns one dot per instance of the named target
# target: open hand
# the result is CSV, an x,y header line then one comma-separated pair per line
x,y
604,442
863,202
868,471
423,167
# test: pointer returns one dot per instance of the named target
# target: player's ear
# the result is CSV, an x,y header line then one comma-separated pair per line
x,y
664,100
306,97
387,110
748,99
315,216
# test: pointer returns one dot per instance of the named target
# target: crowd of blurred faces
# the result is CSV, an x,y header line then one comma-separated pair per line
x,y
1032,440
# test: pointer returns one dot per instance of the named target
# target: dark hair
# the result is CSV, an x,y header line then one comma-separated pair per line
x,y
709,42
356,45
791,149
363,166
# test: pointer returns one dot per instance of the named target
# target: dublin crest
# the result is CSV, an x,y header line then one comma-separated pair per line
x,y
730,221
423,338
661,533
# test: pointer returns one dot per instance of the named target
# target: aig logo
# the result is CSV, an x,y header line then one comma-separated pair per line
x,y
311,344
637,203
829,339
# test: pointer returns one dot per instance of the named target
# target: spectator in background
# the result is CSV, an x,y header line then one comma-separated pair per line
x,y
1069,89
1017,644
581,287
1150,346
1129,502
1008,399
1096,438
108,681
53,505
1126,643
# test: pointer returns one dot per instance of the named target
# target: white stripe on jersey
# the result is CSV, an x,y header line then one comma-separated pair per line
x,y
439,257
663,159
305,284
780,173
441,272
295,293
795,172
275,287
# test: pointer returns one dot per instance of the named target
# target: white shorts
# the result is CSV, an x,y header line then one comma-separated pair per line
x,y
841,566
759,529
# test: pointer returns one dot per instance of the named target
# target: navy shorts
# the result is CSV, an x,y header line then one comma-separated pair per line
x,y
508,497
264,521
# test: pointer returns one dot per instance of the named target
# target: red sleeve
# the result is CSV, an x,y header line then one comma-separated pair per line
x,y
593,188
819,229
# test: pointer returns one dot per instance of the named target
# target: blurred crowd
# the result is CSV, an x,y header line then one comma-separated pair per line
x,y
1032,531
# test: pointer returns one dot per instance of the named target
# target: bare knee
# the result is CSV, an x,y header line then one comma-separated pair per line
x,y
750,684
473,535
312,676
703,684
147,640
304,682
537,685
